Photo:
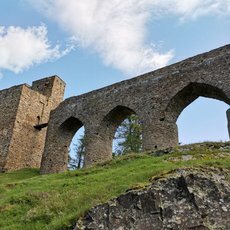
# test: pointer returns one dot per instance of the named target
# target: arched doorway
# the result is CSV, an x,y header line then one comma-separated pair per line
x,y
55,157
122,130
128,136
184,99
76,154
203,120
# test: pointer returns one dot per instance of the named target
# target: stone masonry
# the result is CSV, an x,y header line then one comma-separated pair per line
x,y
157,98
24,114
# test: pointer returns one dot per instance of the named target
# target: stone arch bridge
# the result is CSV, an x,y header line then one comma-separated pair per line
x,y
157,98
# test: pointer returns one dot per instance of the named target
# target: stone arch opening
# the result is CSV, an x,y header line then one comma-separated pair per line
x,y
55,156
203,120
67,131
188,95
77,150
117,120
69,127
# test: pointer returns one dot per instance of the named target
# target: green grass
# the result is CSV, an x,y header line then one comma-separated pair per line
x,y
32,201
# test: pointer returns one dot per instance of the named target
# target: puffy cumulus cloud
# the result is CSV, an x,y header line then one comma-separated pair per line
x,y
117,29
22,48
114,29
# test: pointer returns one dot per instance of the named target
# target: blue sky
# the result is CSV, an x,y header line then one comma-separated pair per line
x,y
94,43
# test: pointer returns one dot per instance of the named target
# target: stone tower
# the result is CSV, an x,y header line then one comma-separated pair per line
x,y
24,114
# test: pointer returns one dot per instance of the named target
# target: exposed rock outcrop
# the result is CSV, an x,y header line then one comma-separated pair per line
x,y
194,199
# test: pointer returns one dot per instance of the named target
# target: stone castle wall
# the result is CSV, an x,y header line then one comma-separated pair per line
x,y
157,98
23,107
8,106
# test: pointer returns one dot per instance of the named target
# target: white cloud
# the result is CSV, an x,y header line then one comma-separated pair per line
x,y
192,9
22,48
117,29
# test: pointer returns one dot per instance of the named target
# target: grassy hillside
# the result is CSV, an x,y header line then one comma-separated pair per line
x,y
31,201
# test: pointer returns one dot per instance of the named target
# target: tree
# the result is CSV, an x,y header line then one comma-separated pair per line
x,y
76,161
128,137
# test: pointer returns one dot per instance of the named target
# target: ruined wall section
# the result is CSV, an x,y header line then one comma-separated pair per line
x,y
9,100
157,98
35,103
27,142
